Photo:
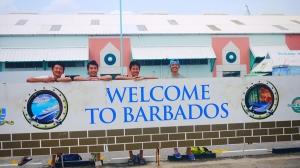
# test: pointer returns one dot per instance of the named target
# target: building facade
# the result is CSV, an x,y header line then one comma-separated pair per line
x,y
206,45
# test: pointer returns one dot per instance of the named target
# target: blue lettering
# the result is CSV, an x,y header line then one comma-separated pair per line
x,y
180,112
152,113
141,114
167,110
143,95
113,115
151,94
205,91
185,91
205,111
225,110
112,98
166,93
126,114
191,111
92,114
131,94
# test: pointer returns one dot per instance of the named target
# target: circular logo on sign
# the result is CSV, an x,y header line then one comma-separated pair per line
x,y
260,100
231,57
2,115
295,105
45,107
110,59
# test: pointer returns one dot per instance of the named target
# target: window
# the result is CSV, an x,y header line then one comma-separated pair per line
x,y
21,22
94,22
142,27
237,22
23,64
167,62
295,21
173,22
280,27
231,73
55,28
213,27
194,61
69,63
148,62
258,59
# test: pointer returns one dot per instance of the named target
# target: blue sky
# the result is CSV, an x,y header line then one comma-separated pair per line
x,y
288,7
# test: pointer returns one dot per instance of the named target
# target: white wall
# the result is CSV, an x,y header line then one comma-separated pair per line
x,y
189,71
21,76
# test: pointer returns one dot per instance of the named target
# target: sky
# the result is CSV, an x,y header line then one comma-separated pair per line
x,y
237,7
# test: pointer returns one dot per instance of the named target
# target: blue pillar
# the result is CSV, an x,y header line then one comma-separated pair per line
x,y
1,66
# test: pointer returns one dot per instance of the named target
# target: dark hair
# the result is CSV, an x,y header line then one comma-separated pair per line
x,y
93,62
132,63
58,63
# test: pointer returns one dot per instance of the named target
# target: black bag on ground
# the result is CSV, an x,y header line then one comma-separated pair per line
x,y
69,157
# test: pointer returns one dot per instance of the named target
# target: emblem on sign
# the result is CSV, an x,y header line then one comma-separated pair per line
x,y
45,108
260,100
295,105
2,117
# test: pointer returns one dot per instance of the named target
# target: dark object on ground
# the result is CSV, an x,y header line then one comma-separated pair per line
x,y
286,150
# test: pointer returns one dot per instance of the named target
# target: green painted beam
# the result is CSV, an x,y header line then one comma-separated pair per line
x,y
212,64
252,60
44,65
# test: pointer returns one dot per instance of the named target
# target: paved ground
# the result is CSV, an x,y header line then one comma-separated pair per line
x,y
265,161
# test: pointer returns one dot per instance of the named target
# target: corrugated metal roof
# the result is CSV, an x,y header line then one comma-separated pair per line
x,y
262,50
171,52
44,54
264,66
156,24
275,60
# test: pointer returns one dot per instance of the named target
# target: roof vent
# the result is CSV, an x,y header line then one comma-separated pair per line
x,y
142,27
95,22
214,13
276,14
55,28
154,13
280,27
91,13
24,12
213,27
172,22
21,22
295,21
237,22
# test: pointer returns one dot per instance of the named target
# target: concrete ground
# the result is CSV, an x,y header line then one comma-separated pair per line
x,y
265,161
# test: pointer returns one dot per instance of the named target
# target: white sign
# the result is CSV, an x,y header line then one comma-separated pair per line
x,y
98,105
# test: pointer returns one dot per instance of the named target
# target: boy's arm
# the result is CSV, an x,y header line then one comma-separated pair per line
x,y
65,79
79,78
150,77
120,77
43,79
106,78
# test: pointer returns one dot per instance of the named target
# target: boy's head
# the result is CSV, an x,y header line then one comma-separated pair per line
x,y
58,69
92,68
134,68
174,65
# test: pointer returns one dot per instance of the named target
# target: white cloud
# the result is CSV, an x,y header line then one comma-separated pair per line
x,y
118,12
62,6
7,6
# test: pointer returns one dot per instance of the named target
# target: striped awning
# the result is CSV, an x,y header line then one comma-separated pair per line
x,y
44,54
262,50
